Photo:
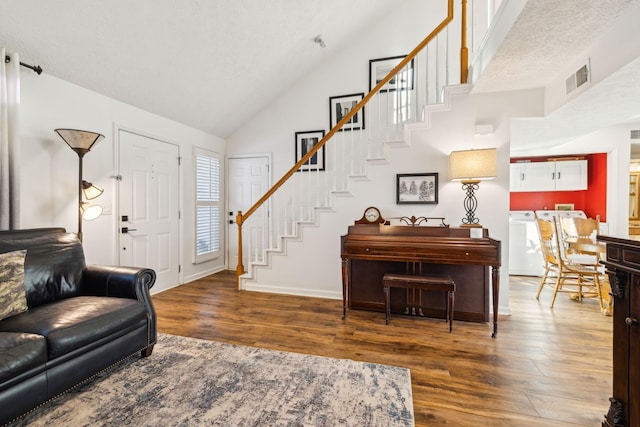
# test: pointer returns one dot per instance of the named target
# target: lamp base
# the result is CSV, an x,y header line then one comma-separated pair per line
x,y
471,226
470,203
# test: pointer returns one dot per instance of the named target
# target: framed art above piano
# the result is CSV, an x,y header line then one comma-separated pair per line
x,y
417,188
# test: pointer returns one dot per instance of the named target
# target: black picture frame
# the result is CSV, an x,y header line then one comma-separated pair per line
x,y
339,106
306,140
417,188
379,68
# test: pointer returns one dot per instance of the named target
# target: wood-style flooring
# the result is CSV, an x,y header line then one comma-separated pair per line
x,y
546,367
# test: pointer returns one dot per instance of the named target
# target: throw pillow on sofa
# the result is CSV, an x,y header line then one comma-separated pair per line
x,y
13,298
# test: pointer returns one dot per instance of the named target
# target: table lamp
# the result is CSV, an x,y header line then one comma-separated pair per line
x,y
470,167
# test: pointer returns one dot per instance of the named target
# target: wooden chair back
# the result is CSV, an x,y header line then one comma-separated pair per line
x,y
580,227
575,227
548,241
586,227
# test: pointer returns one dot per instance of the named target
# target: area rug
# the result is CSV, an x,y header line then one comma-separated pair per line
x,y
192,382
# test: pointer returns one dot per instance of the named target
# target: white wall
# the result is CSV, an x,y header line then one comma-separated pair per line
x,y
312,264
49,168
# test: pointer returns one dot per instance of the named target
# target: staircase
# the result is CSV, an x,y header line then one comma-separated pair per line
x,y
417,87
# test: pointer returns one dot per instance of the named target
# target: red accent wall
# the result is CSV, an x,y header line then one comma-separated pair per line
x,y
593,200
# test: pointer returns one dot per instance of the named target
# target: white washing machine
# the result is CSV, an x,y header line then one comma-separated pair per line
x,y
525,258
548,215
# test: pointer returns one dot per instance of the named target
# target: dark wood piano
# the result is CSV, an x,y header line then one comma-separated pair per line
x,y
369,251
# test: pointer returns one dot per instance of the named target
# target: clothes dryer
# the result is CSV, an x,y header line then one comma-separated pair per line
x,y
525,258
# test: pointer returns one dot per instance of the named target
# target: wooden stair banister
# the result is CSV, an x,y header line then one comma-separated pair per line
x,y
464,51
242,217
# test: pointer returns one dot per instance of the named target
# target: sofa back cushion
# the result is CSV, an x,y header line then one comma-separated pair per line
x,y
54,263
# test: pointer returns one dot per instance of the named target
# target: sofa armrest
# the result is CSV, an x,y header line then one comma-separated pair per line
x,y
122,282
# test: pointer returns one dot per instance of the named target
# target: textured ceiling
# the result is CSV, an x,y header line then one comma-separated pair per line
x,y
547,35
214,64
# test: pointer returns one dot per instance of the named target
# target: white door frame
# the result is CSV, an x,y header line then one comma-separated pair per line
x,y
116,217
227,208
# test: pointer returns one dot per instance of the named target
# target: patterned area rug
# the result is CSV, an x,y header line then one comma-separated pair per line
x,y
191,382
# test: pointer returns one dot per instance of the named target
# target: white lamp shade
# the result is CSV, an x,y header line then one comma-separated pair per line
x,y
473,165
90,190
90,212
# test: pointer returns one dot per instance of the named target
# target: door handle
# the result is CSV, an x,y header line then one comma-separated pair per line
x,y
125,230
630,321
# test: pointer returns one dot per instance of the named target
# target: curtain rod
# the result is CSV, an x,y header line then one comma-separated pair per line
x,y
35,68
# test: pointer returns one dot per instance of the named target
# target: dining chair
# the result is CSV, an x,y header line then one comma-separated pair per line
x,y
579,228
570,276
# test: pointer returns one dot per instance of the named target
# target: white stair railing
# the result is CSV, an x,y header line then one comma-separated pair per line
x,y
346,155
301,195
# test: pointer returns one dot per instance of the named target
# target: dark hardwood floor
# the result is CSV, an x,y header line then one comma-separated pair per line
x,y
546,367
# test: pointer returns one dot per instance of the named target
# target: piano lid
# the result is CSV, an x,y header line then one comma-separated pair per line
x,y
404,230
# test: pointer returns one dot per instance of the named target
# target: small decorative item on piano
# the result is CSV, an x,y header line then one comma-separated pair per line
x,y
371,216
415,221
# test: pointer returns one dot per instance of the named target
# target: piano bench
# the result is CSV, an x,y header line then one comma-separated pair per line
x,y
432,282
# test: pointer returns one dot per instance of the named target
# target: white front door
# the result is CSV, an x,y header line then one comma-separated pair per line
x,y
248,181
149,207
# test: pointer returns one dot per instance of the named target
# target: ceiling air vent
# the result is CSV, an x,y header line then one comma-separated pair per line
x,y
634,134
577,79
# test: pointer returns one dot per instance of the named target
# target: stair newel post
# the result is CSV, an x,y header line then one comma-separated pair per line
x,y
240,266
464,52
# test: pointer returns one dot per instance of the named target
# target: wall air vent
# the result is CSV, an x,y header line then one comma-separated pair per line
x,y
634,134
578,78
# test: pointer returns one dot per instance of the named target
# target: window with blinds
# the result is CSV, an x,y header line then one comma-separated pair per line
x,y
207,209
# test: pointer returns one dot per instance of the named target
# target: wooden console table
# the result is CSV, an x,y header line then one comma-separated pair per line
x,y
369,251
623,267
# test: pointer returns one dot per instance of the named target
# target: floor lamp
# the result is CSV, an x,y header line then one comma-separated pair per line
x,y
81,142
470,167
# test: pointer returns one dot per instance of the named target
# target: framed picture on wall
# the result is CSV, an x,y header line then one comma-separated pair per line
x,y
379,68
417,188
340,106
305,141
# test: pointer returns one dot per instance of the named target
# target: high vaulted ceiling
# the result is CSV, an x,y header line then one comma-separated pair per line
x,y
209,64
212,64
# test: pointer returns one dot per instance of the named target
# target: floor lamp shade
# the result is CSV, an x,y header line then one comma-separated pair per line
x,y
471,167
90,190
89,211
81,142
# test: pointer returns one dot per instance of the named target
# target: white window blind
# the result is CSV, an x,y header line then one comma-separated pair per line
x,y
207,209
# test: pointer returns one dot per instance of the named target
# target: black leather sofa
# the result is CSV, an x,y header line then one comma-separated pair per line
x,y
79,320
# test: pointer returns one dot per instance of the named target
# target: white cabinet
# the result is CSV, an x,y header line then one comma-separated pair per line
x,y
540,176
517,173
566,175
571,175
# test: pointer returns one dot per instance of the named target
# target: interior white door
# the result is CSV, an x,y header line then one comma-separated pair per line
x,y
248,180
149,206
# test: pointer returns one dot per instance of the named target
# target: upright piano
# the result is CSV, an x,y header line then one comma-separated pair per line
x,y
369,251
